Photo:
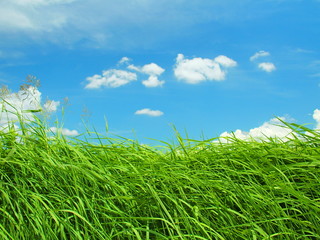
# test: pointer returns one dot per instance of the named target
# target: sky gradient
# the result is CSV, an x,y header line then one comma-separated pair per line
x,y
207,67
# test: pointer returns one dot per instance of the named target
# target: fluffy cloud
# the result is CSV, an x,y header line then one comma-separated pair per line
x,y
197,70
51,106
273,128
25,103
64,131
149,69
264,66
152,81
267,66
149,112
225,61
259,55
22,103
316,116
153,70
110,78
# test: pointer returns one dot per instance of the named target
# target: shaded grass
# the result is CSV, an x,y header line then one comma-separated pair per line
x,y
57,188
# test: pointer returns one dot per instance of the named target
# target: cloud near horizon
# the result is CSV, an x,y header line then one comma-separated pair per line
x,y
316,117
274,128
24,103
65,131
196,70
149,112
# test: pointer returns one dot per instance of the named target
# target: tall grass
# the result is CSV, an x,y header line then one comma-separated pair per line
x,y
59,188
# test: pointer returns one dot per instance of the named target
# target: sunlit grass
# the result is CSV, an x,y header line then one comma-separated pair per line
x,y
58,188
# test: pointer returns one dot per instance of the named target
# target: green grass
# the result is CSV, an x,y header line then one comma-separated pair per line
x,y
58,188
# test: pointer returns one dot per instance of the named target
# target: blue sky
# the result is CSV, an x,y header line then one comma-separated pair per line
x,y
207,67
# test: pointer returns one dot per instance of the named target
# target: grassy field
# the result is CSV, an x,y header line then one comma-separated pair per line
x,y
57,188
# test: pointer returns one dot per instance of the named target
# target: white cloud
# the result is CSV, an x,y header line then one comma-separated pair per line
x,y
32,16
272,128
197,70
149,112
124,60
179,58
65,131
225,61
20,103
110,78
110,24
316,116
12,19
71,21
267,66
149,69
153,70
51,106
259,55
153,81
134,68
25,103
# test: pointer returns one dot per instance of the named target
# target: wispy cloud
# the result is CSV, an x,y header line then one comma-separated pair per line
x,y
315,75
33,15
267,66
196,70
10,54
124,60
259,55
110,78
301,50
149,112
103,24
